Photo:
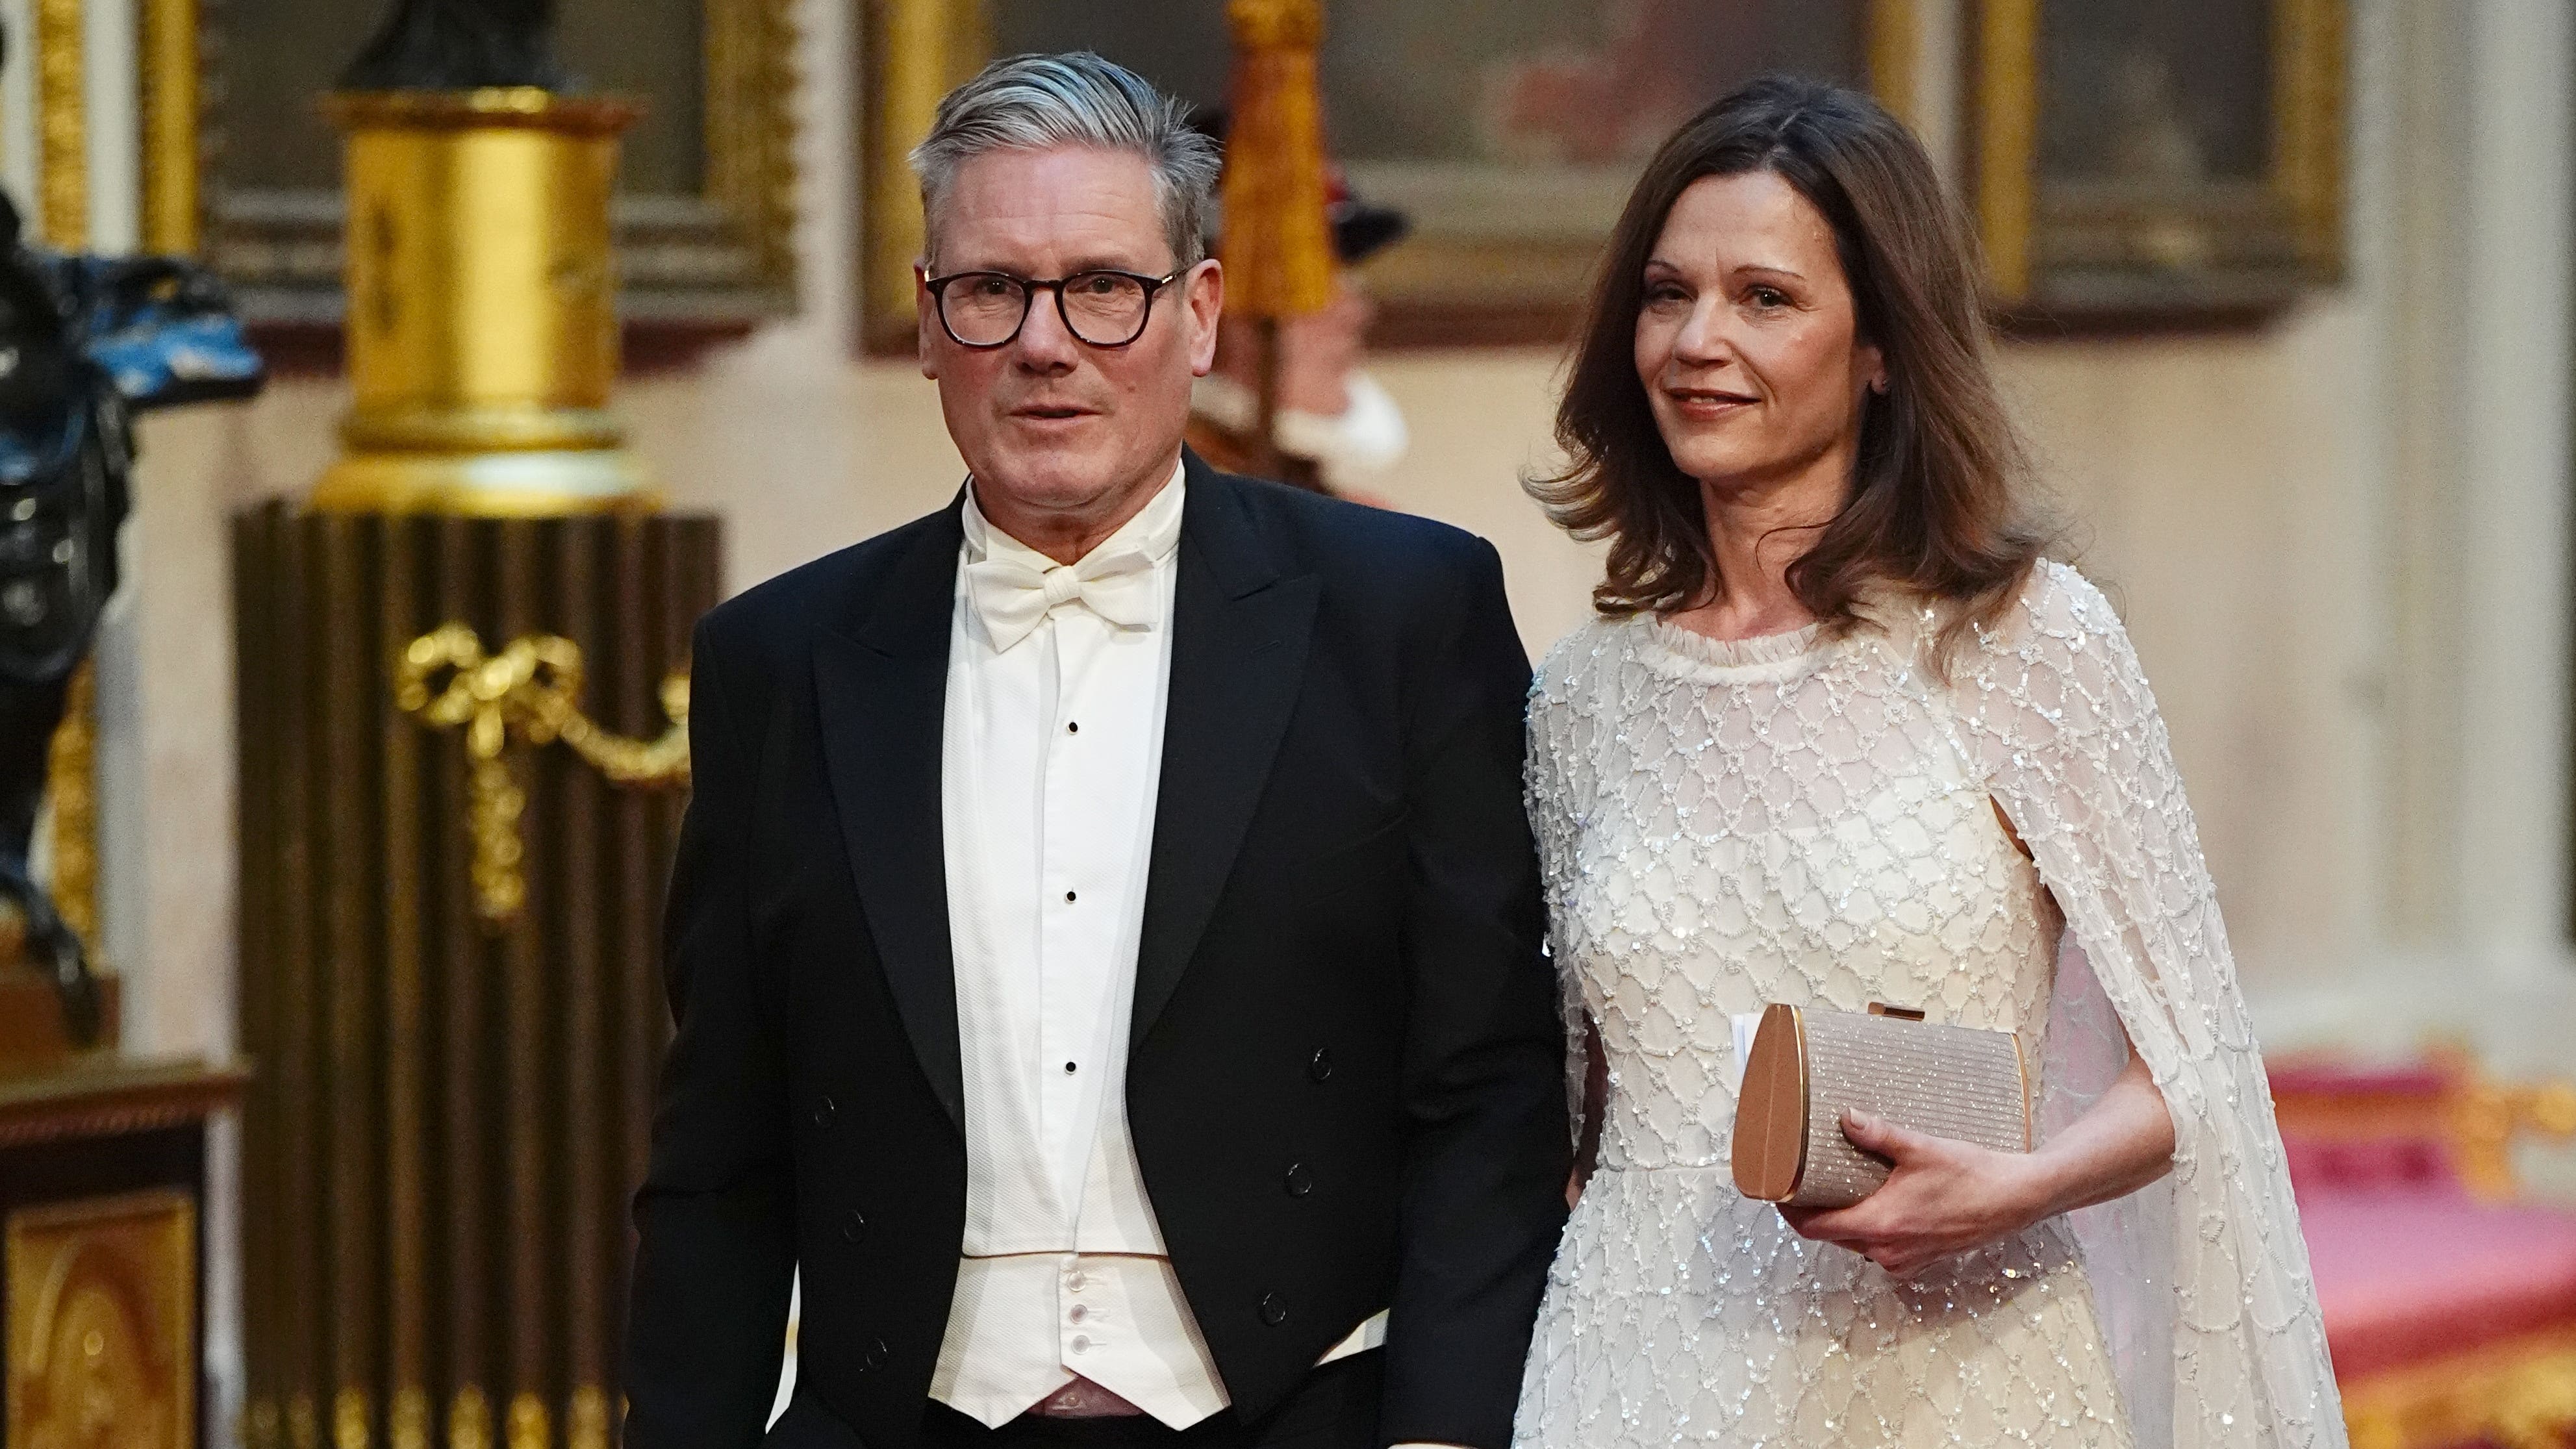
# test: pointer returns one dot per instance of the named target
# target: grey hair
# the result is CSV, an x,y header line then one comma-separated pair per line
x,y
1034,102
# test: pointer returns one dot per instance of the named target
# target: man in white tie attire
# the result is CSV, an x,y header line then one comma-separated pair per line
x,y
1105,940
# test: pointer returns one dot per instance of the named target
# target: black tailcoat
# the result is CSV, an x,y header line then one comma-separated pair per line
x,y
1345,1082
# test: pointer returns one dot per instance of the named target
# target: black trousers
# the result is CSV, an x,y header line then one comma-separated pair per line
x,y
1336,1408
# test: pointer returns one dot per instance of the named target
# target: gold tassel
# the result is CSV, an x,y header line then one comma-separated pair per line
x,y
1277,251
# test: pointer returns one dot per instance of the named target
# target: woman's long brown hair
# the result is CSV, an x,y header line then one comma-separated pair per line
x,y
1936,507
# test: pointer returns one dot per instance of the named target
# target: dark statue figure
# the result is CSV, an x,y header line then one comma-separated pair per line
x,y
459,45
84,342
60,503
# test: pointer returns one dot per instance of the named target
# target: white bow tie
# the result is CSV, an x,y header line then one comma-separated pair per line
x,y
1012,597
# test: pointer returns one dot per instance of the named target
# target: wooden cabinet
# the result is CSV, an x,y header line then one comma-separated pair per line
x,y
102,1253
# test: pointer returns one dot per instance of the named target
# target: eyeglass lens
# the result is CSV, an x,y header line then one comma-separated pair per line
x,y
1105,309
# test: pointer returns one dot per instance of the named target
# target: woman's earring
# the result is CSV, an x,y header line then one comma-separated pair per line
x,y
1879,386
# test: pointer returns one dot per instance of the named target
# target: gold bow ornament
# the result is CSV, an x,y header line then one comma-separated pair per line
x,y
532,688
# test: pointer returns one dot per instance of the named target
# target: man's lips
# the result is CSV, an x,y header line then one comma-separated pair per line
x,y
1052,412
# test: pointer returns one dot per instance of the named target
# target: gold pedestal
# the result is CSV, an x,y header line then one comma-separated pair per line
x,y
456,691
482,325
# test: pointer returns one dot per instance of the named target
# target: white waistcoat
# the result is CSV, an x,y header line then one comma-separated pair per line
x,y
1051,754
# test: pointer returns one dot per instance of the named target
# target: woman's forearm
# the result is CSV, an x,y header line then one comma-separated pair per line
x,y
2124,1141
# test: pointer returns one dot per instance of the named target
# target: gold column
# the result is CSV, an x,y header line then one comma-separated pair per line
x,y
62,125
1894,43
169,107
482,326
925,48
2007,42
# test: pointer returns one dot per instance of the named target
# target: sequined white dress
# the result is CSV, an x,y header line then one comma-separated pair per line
x,y
1812,820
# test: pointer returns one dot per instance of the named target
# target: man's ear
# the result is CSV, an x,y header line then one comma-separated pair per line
x,y
925,316
1203,290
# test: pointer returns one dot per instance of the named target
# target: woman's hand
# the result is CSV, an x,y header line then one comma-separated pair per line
x,y
1945,1197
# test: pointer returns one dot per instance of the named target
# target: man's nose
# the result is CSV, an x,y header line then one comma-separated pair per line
x,y
1044,343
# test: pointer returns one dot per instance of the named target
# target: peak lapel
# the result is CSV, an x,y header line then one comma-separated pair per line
x,y
882,696
1240,633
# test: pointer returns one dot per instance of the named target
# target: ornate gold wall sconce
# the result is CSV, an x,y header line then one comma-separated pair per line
x,y
531,687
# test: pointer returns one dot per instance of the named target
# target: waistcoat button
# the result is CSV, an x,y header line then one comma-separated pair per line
x,y
854,1226
1273,1312
1320,1065
873,1357
1300,1181
826,1111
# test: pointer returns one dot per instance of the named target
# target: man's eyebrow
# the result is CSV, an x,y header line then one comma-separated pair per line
x,y
1109,264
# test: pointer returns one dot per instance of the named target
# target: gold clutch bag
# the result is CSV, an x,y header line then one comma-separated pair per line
x,y
1806,1068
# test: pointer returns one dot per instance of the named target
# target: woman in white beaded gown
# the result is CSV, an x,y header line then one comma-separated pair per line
x,y
1842,735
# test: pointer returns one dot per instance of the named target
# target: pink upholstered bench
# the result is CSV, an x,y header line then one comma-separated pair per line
x,y
2450,1307
2407,1275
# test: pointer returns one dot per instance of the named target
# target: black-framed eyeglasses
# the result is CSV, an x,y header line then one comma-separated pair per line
x,y
1102,308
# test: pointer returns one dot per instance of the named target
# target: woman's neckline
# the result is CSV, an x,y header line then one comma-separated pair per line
x,y
1699,654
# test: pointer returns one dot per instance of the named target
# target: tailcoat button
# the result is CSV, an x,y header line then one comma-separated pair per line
x,y
873,1357
854,1226
1300,1181
1320,1065
826,1112
1273,1312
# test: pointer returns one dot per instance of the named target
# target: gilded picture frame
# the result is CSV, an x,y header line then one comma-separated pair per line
x,y
2158,217
713,248
1497,255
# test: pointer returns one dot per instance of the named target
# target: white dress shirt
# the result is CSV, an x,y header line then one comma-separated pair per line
x,y
1051,755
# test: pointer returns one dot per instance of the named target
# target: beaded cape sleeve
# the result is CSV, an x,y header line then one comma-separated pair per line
x,y
1547,775
2202,1279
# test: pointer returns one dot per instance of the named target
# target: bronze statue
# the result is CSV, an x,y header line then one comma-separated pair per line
x,y
84,341
57,567
459,45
